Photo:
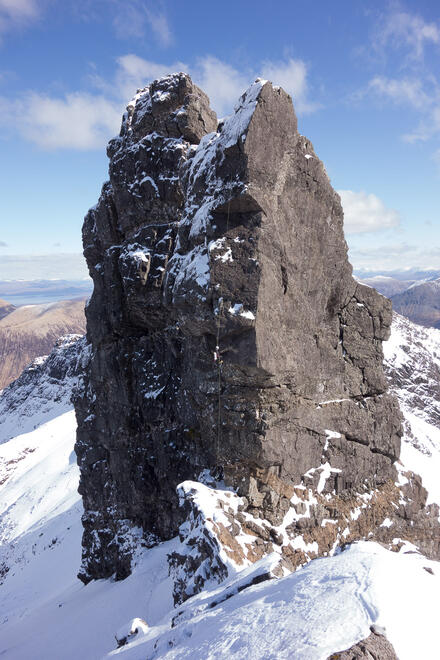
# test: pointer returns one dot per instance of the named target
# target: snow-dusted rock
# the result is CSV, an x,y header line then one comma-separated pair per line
x,y
227,331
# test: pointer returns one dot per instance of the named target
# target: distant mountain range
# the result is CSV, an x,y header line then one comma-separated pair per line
x,y
420,303
5,308
415,294
31,331
22,292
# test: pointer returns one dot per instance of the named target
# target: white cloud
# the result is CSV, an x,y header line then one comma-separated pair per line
x,y
134,19
76,121
222,83
16,13
421,94
86,120
291,76
393,256
129,22
402,39
134,72
406,90
365,212
402,30
69,266
160,27
17,9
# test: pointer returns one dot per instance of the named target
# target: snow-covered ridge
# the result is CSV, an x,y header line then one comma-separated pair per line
x,y
412,361
325,607
433,284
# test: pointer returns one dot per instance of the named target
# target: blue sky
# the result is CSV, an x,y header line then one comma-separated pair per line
x,y
364,76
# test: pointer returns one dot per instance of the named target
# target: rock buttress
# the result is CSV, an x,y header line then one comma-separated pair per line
x,y
227,331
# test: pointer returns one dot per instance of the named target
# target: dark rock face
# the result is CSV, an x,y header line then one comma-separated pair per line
x,y
227,331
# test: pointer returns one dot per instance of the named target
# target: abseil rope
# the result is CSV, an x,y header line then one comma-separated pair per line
x,y
217,354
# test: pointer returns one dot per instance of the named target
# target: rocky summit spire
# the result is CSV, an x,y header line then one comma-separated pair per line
x,y
227,331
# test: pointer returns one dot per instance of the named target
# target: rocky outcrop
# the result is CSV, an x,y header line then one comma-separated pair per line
x,y
220,538
374,647
227,332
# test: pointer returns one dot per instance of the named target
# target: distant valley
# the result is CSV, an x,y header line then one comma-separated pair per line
x,y
30,331
415,294
420,303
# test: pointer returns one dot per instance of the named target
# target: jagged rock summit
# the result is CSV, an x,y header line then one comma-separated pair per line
x,y
227,333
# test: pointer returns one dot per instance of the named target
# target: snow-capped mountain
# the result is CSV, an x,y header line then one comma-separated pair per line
x,y
327,606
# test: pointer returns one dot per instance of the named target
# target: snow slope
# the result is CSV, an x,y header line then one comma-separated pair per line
x,y
412,361
44,389
327,606
45,611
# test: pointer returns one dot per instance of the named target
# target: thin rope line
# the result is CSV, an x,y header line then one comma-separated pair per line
x,y
218,355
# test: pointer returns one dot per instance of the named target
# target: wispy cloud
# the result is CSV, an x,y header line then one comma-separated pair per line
x,y
159,24
292,76
394,256
17,14
422,95
406,90
3,244
75,121
403,39
86,120
365,212
223,82
129,21
135,19
133,72
43,266
407,32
